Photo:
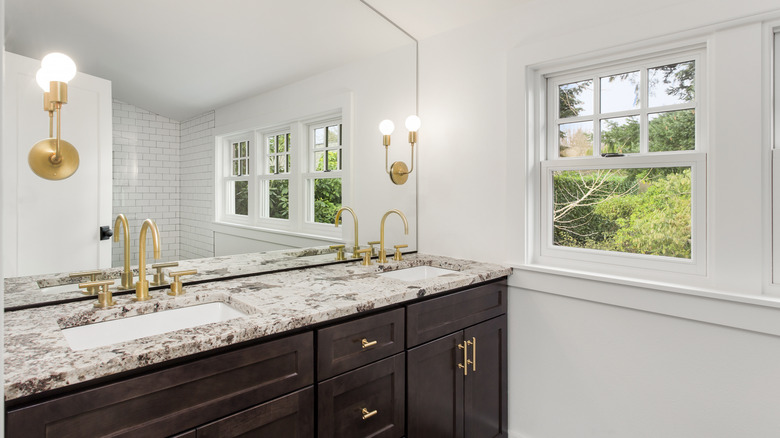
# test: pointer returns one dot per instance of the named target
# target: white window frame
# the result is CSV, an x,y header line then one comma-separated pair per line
x,y
310,174
301,197
543,252
773,34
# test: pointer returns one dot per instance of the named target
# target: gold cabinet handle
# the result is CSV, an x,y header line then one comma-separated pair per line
x,y
466,362
105,298
367,344
474,354
367,415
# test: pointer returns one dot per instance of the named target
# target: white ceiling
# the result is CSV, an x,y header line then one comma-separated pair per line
x,y
181,58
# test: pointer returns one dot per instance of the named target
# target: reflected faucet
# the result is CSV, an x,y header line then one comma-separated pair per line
x,y
142,285
127,274
382,256
355,249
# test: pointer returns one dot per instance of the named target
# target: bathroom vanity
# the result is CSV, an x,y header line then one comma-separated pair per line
x,y
333,351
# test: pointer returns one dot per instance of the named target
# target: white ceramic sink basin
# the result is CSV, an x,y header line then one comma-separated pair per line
x,y
135,327
416,273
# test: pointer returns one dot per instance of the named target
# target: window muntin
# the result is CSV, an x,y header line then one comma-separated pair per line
x,y
271,180
646,198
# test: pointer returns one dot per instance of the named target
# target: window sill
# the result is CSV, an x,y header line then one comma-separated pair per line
x,y
250,231
757,313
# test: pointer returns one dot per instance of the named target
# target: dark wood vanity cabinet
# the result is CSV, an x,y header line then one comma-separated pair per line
x,y
458,382
389,374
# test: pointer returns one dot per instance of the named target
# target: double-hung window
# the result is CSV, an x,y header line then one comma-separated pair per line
x,y
622,172
286,178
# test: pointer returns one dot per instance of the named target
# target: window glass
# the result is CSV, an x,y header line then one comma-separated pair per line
x,y
636,210
620,92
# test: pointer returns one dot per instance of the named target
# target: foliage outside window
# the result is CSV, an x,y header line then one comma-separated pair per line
x,y
238,184
609,190
325,185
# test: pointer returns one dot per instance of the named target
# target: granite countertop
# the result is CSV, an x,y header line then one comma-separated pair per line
x,y
38,358
39,289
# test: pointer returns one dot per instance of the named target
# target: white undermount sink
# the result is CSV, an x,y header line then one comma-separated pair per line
x,y
135,327
416,273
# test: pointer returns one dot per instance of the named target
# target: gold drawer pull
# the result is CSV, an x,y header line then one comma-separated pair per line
x,y
367,344
367,415
474,354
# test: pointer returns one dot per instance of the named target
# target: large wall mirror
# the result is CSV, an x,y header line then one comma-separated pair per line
x,y
181,91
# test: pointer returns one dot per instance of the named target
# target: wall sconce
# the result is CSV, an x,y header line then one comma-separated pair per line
x,y
398,172
54,158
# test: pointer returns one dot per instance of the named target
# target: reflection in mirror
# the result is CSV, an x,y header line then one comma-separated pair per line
x,y
157,97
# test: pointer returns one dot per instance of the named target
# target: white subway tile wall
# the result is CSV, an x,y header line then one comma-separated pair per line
x,y
197,187
146,155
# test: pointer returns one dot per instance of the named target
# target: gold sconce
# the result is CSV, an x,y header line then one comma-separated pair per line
x,y
398,172
54,158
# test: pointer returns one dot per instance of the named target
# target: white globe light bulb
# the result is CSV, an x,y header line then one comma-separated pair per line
x,y
386,127
59,66
413,123
43,79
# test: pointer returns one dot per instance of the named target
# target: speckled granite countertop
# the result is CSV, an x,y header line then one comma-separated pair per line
x,y
38,358
38,289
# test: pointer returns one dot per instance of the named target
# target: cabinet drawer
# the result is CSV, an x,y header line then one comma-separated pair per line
x,y
340,348
378,388
440,316
291,416
165,402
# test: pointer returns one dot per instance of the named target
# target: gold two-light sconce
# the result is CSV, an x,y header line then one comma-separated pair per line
x,y
54,158
399,172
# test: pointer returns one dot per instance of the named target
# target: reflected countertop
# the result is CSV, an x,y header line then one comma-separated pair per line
x,y
46,288
38,358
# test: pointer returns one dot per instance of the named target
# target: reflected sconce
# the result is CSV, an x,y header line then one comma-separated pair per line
x,y
398,172
54,158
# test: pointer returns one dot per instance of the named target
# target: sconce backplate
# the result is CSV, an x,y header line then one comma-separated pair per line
x,y
41,163
399,173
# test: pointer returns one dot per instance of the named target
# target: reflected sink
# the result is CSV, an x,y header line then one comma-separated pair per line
x,y
135,327
416,273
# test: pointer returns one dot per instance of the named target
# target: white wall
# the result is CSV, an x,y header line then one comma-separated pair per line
x,y
381,87
53,226
588,358
146,178
197,187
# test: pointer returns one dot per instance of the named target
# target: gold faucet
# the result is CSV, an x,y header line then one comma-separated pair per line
x,y
127,274
355,249
142,285
382,256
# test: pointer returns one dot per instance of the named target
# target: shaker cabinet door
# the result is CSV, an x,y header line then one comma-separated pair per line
x,y
435,402
485,388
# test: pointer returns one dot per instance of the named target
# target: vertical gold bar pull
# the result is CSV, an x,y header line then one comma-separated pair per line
x,y
474,354
466,362
367,415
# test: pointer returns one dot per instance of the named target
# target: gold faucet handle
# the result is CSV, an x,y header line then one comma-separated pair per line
x,y
105,297
366,256
92,290
340,253
373,250
177,288
398,256
159,276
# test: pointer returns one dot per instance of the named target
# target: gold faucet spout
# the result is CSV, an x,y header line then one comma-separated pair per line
x,y
382,256
142,285
127,274
355,249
